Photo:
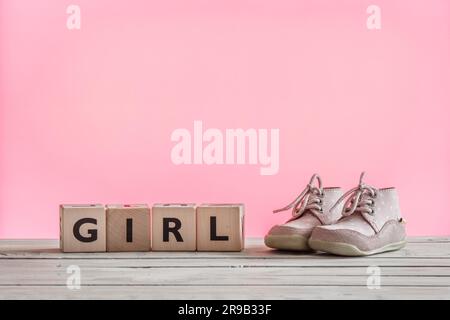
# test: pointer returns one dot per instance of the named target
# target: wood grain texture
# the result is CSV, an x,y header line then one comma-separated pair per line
x,y
36,269
220,227
93,231
224,292
128,228
182,237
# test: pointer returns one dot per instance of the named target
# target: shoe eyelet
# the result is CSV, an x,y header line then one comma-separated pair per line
x,y
321,210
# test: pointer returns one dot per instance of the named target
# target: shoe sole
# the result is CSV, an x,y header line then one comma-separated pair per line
x,y
287,242
345,249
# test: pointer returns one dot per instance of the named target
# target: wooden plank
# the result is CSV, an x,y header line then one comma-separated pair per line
x,y
419,267
250,242
110,272
37,269
304,261
10,272
224,292
48,249
215,276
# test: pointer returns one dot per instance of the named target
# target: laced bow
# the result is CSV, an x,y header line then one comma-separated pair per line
x,y
361,199
309,198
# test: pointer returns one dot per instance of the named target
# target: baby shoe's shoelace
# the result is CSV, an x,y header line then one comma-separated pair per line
x,y
361,199
309,198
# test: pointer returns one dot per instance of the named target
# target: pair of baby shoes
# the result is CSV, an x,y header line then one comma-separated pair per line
x,y
369,222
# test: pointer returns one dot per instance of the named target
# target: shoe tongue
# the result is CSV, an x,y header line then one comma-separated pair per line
x,y
356,217
307,217
317,215
360,218
331,196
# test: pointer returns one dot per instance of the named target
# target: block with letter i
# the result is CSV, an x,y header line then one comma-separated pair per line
x,y
82,228
220,227
127,227
174,227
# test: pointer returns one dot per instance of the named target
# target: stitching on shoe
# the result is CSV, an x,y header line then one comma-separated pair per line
x,y
356,233
361,237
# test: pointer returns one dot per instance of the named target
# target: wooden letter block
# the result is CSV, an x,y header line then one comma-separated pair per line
x,y
127,227
174,227
82,228
220,227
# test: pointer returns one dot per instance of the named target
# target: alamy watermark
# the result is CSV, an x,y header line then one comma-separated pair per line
x,y
374,278
373,21
74,279
73,21
228,147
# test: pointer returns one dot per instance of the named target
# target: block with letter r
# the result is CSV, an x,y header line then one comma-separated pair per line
x,y
174,227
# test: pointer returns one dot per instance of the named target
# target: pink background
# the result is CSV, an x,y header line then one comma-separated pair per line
x,y
86,116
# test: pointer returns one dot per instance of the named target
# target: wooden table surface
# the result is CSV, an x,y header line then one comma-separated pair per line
x,y
36,269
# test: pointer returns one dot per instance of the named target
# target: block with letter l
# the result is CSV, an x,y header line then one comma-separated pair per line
x,y
82,228
174,227
220,227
